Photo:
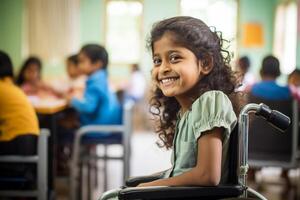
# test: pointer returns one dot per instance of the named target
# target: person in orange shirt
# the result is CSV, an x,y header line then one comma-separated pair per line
x,y
19,127
17,116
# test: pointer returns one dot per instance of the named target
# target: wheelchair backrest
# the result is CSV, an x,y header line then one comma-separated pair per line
x,y
267,144
233,157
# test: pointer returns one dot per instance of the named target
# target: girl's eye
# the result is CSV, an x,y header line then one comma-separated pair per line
x,y
156,61
174,58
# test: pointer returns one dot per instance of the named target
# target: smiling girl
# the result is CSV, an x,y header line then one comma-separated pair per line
x,y
192,101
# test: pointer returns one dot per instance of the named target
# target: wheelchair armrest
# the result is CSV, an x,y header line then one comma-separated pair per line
x,y
135,181
165,192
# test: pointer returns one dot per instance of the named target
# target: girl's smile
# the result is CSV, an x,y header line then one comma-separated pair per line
x,y
168,81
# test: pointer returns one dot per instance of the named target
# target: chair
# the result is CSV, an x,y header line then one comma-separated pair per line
x,y
282,149
102,135
236,187
41,159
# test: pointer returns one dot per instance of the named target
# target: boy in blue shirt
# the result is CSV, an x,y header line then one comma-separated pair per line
x,y
99,104
268,88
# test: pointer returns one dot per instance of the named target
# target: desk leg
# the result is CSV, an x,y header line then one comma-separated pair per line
x,y
52,154
49,121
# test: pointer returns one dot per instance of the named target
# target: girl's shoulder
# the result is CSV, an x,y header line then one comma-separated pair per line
x,y
213,96
212,109
211,105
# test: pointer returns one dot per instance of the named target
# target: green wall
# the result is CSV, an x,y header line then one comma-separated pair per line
x,y
11,16
92,26
262,12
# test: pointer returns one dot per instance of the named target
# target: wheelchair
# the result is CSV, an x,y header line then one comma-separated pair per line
x,y
236,188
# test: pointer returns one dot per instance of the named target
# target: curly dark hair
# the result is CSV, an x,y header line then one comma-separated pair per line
x,y
207,46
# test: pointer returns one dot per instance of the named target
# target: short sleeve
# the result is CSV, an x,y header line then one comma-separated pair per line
x,y
210,110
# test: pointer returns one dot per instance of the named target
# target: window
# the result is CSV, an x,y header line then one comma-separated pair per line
x,y
207,10
123,34
285,38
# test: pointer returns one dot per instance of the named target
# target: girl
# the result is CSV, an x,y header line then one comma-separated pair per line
x,y
29,79
294,84
191,101
76,78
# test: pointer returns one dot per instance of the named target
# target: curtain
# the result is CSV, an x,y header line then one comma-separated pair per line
x,y
51,28
285,36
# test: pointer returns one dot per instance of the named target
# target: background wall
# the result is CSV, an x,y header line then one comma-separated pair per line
x,y
262,12
92,20
11,26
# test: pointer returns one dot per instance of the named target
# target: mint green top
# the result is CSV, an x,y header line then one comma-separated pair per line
x,y
212,109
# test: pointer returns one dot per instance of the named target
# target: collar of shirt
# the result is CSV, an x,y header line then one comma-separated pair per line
x,y
99,75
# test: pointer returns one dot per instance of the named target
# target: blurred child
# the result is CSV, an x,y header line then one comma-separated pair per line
x,y
99,104
294,84
68,119
268,88
76,78
137,84
18,121
29,79
248,79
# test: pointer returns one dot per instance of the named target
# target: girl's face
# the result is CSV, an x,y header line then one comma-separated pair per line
x,y
73,70
86,66
32,73
176,69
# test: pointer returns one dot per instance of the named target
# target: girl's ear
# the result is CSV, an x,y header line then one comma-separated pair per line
x,y
206,64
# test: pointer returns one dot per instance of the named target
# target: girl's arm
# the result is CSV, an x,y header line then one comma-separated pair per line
x,y
207,171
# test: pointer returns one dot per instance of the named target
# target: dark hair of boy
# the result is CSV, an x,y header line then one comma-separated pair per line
x,y
96,53
270,67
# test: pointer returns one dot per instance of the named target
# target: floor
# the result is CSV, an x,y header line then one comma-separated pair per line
x,y
148,158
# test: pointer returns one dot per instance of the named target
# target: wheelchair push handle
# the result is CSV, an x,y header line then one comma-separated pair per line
x,y
274,117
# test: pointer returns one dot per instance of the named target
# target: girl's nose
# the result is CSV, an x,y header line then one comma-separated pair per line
x,y
165,67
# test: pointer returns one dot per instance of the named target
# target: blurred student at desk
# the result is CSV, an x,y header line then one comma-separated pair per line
x,y
76,77
30,81
294,84
18,121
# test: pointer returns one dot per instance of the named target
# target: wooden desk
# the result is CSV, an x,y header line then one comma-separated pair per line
x,y
48,107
